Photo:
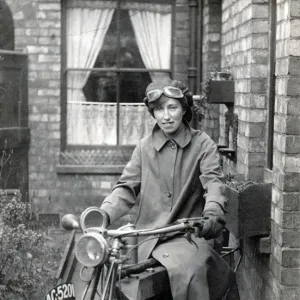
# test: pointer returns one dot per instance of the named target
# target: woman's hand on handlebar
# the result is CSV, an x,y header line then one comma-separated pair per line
x,y
197,223
212,226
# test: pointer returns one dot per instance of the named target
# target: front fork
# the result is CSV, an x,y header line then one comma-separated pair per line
x,y
107,278
110,282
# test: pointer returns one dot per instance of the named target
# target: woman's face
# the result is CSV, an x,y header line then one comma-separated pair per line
x,y
168,113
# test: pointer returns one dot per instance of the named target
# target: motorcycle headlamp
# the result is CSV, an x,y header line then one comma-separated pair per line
x,y
93,217
92,250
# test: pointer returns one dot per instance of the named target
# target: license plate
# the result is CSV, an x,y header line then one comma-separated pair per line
x,y
61,292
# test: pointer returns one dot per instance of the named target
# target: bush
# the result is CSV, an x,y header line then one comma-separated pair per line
x,y
29,258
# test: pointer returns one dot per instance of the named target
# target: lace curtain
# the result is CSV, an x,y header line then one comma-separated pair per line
x,y
135,122
99,123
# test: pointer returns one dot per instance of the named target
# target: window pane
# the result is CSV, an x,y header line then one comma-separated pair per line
x,y
130,56
151,25
90,121
135,120
101,87
133,86
135,123
86,30
107,57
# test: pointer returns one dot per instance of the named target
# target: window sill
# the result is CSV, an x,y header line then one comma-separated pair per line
x,y
88,169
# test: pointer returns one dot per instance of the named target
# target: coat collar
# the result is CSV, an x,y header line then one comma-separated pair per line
x,y
182,137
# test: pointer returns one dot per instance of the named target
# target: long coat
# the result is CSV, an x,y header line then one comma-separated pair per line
x,y
176,178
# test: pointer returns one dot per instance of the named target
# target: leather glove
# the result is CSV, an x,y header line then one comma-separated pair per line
x,y
212,225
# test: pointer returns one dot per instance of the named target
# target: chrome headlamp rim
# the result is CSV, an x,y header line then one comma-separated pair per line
x,y
103,245
86,213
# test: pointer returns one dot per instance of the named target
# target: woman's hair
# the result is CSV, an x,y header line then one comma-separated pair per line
x,y
186,102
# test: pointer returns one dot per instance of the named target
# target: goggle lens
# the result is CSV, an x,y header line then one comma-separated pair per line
x,y
173,92
154,95
168,91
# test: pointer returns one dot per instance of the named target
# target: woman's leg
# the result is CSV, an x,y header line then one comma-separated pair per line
x,y
195,271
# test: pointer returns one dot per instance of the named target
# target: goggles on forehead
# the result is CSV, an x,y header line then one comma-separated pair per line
x,y
169,91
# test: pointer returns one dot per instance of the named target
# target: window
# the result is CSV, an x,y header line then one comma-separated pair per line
x,y
113,50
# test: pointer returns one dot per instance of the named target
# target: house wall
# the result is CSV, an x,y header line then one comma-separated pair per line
x,y
244,47
285,243
211,58
245,51
38,32
235,35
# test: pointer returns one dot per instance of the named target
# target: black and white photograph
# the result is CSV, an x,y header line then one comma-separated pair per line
x,y
149,149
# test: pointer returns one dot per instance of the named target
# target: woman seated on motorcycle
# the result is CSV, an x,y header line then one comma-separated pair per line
x,y
176,171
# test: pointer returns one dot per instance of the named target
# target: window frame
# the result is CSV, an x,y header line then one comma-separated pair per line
x,y
64,70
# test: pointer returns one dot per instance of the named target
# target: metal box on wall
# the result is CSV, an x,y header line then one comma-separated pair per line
x,y
249,210
221,92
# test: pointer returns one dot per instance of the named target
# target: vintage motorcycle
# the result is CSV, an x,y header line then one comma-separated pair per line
x,y
109,257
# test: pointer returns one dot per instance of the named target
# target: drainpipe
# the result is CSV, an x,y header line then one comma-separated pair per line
x,y
271,82
199,62
192,69
199,46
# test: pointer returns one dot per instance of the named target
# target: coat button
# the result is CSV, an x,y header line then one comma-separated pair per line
x,y
169,194
173,146
165,255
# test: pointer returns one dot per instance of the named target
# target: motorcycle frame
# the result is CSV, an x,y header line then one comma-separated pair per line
x,y
112,273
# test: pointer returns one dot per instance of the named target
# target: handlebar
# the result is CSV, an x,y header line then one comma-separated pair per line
x,y
143,232
70,222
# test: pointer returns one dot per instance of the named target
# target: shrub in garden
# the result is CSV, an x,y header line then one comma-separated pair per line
x,y
28,257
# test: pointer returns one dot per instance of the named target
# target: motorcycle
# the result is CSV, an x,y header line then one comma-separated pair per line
x,y
109,256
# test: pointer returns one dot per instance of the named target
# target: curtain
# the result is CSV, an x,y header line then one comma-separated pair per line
x,y
96,125
152,30
86,29
99,122
135,123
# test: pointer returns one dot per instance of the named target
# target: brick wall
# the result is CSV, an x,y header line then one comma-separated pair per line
x,y
285,256
211,58
241,43
245,51
38,32
245,48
